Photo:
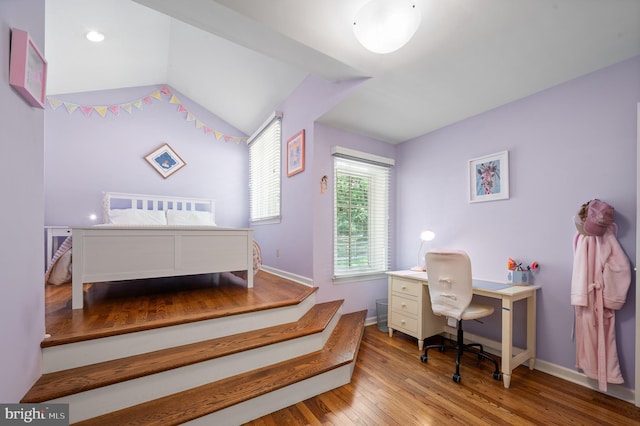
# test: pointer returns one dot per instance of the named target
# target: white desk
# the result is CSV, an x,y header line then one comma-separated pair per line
x,y
508,294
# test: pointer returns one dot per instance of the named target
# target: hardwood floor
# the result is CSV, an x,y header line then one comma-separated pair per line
x,y
283,346
390,386
124,307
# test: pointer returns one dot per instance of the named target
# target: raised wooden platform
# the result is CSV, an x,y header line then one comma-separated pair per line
x,y
129,306
201,349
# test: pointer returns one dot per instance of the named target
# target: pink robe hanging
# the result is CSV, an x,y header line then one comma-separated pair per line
x,y
599,284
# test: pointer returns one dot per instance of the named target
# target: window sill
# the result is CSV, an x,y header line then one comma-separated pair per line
x,y
344,279
265,222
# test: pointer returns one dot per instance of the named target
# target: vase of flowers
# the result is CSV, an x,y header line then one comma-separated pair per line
x,y
519,274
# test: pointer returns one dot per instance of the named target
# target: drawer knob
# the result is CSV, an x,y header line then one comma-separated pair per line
x,y
404,305
404,287
402,321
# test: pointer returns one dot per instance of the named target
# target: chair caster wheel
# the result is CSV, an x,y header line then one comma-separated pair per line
x,y
456,378
497,375
423,358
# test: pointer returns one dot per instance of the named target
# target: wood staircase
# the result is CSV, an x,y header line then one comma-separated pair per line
x,y
223,370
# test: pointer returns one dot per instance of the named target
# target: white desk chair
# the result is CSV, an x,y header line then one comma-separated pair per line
x,y
450,290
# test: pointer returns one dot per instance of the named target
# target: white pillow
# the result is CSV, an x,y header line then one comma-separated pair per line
x,y
137,217
188,217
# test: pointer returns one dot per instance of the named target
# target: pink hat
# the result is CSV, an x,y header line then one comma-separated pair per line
x,y
599,217
579,225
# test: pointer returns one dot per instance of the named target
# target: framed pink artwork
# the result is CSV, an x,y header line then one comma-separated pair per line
x,y
295,153
27,69
489,177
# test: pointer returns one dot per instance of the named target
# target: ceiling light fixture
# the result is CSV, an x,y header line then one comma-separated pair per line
x,y
95,36
384,26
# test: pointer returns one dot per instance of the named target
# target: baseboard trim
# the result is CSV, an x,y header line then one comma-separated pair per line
x,y
288,275
573,376
616,391
371,321
308,282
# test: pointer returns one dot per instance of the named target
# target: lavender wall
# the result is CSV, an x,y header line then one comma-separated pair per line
x,y
567,145
302,243
21,183
289,245
88,155
360,294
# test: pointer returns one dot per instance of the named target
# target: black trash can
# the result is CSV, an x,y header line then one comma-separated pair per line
x,y
382,312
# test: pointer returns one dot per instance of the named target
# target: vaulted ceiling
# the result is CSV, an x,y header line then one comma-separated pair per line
x,y
241,58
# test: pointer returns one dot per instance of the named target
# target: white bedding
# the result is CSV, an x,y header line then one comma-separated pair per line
x,y
134,225
140,209
137,217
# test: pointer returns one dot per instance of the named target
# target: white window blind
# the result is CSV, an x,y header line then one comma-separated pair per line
x,y
264,172
361,214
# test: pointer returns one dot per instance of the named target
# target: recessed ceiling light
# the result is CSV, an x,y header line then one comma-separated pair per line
x,y
95,36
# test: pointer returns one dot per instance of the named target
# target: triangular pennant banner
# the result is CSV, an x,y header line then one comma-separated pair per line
x,y
87,110
70,107
102,110
54,103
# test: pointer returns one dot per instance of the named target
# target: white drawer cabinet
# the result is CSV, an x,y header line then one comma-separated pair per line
x,y
410,307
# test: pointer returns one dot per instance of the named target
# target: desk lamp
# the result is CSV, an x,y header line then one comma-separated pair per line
x,y
426,235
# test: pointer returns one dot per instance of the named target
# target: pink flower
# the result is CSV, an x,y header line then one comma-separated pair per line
x,y
513,265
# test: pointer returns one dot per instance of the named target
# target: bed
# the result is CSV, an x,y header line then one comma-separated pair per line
x,y
149,236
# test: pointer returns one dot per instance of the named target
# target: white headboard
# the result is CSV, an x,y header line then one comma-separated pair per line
x,y
121,200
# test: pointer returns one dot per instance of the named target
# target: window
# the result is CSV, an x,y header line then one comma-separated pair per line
x,y
264,172
361,213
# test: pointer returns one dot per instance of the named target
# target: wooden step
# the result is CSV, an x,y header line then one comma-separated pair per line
x,y
123,308
340,350
87,352
81,379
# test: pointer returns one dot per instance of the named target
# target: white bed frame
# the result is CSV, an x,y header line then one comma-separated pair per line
x,y
125,252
